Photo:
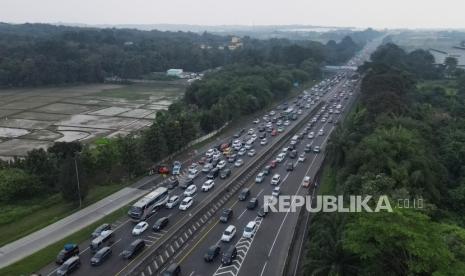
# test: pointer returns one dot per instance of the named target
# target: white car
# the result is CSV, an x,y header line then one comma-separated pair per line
x,y
208,185
172,201
279,122
207,168
191,190
242,151
306,181
140,228
321,132
251,153
263,142
251,131
316,149
281,157
276,191
248,146
210,152
256,121
272,113
221,164
216,155
229,233
287,122
193,173
239,162
276,179
259,178
302,158
311,135
186,203
250,230
280,129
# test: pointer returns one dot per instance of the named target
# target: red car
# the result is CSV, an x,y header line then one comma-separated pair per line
x,y
273,164
202,160
274,132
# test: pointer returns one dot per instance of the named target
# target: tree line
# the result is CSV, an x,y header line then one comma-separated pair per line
x,y
41,54
405,139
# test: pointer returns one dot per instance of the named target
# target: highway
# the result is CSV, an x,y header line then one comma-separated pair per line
x,y
123,226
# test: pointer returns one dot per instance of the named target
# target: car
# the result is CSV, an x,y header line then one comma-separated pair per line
x,y
262,135
225,173
308,148
69,266
213,173
207,168
251,131
221,164
242,151
239,162
287,122
311,135
276,191
280,129
160,224
68,251
273,164
280,157
321,132
306,182
212,252
275,179
251,153
134,248
279,122
260,177
232,158
226,215
191,190
101,255
262,212
186,203
244,194
172,201
316,149
248,146
256,121
106,237
293,154
229,256
208,185
263,142
173,182
250,230
209,153
253,202
289,166
302,158
186,183
228,233
173,269
192,174
274,132
140,228
267,169
217,155
100,229
176,168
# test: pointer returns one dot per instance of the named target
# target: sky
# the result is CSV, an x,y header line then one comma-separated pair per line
x,y
343,13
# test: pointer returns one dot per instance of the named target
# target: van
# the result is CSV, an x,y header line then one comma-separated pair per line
x,y
100,241
172,270
69,266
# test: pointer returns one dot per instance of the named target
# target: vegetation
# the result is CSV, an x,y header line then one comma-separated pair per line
x,y
406,140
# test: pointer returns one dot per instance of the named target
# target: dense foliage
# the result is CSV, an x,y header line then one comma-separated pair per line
x,y
40,54
406,140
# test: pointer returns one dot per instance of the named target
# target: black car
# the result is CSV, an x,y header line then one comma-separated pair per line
x,y
173,182
160,223
101,256
226,215
186,183
262,212
134,248
229,256
212,253
173,270
308,148
67,252
291,147
213,173
225,173
262,135
253,202
100,229
293,154
289,166
244,194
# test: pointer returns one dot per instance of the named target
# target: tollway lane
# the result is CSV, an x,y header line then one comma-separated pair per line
x,y
264,241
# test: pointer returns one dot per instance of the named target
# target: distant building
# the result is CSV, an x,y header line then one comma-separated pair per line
x,y
175,72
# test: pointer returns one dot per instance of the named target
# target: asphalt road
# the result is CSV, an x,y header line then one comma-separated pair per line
x,y
123,226
266,253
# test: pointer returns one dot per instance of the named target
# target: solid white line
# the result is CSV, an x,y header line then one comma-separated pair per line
x,y
239,217
263,269
192,273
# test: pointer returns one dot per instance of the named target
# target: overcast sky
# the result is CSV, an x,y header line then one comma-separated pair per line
x,y
354,13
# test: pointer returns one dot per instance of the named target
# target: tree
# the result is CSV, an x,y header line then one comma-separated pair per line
x,y
451,65
62,150
16,184
41,164
130,155
154,143
71,188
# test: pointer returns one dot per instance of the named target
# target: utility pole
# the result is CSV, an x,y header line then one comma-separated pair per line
x,y
77,178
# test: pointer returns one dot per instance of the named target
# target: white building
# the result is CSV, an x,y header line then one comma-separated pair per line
x,y
175,72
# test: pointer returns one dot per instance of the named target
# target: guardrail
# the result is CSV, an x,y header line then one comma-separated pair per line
x,y
173,241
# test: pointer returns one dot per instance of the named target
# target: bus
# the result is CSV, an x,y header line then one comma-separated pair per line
x,y
147,205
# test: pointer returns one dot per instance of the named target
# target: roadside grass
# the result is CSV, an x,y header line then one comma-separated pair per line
x,y
17,221
328,181
48,254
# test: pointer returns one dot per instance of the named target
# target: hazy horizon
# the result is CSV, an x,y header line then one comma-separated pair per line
x,y
395,14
